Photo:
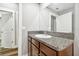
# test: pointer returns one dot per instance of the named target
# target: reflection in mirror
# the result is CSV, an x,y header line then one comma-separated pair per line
x,y
64,21
53,23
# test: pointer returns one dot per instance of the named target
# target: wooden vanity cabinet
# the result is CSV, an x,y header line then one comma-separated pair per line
x,y
36,48
35,51
42,54
67,52
36,43
33,47
46,50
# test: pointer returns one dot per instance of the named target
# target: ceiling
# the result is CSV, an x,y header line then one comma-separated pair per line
x,y
60,7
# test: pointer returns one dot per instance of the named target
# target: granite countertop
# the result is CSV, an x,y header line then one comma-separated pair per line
x,y
57,43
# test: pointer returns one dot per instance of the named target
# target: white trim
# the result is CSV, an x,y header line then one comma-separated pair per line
x,y
13,45
6,9
20,31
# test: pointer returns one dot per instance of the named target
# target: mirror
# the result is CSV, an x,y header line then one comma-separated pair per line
x,y
64,21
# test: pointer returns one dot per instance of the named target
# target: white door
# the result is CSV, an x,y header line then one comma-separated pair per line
x,y
8,33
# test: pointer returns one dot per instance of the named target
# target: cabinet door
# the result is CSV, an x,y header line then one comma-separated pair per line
x,y
42,54
36,43
35,51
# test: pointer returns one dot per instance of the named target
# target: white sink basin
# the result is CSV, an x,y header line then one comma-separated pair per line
x,y
43,36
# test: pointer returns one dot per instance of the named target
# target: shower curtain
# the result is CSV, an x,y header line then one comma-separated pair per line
x,y
8,34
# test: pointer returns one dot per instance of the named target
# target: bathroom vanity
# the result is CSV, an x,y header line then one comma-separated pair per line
x,y
53,46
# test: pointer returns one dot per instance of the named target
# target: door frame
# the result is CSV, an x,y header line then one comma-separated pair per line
x,y
20,31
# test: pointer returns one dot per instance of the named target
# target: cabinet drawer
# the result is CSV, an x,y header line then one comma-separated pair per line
x,y
47,50
36,43
35,51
